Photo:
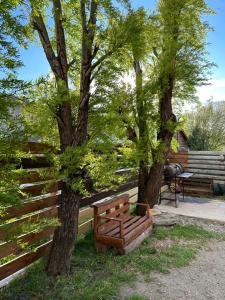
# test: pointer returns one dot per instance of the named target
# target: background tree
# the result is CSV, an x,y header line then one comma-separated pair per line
x,y
181,65
169,62
206,127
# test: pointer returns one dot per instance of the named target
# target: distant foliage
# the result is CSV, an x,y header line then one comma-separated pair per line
x,y
206,126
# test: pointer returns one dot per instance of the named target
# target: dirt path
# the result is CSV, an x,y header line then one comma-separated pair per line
x,y
203,279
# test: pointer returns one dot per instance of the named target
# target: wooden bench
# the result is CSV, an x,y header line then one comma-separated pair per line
x,y
115,226
198,186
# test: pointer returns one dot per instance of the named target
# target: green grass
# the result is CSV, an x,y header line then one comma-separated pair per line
x,y
190,232
136,297
99,276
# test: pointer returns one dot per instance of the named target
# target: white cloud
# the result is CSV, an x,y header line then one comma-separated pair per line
x,y
215,91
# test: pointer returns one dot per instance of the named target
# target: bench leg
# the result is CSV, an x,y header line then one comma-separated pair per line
x,y
119,251
100,248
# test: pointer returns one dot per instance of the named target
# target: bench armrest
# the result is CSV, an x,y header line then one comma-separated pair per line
x,y
143,204
113,219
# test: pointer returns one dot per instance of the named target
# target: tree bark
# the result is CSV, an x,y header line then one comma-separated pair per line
x,y
65,235
88,53
165,136
142,143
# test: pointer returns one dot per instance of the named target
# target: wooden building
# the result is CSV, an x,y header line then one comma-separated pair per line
x,y
182,141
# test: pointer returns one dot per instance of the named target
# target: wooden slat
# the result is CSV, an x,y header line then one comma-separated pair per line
x,y
6,229
106,227
207,167
127,223
41,188
35,175
213,153
209,176
204,162
109,203
122,210
34,162
23,260
207,172
86,213
14,247
206,157
109,240
33,147
101,195
180,161
133,234
29,207
85,227
133,225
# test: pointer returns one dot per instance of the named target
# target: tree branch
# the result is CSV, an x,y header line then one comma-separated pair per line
x,y
101,59
40,27
83,15
155,52
72,62
95,51
60,35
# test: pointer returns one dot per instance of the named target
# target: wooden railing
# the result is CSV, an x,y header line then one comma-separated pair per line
x,y
42,203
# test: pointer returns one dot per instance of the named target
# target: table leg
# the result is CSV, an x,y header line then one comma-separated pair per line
x,y
183,188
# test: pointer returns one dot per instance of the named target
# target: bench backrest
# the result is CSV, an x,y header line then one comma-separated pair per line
x,y
112,207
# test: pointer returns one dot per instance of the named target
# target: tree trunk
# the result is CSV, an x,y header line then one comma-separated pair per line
x,y
142,142
142,187
82,118
165,136
64,235
154,184
68,210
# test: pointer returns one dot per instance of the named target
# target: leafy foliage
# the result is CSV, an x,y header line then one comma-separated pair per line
x,y
206,126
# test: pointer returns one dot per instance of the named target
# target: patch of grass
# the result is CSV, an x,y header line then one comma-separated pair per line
x,y
99,276
188,232
136,297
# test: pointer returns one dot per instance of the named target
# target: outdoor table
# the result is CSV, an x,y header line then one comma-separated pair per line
x,y
182,177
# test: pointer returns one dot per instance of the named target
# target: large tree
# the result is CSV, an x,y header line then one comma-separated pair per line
x,y
182,65
173,65
88,41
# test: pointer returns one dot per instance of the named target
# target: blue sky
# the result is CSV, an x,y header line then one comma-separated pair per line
x,y
36,63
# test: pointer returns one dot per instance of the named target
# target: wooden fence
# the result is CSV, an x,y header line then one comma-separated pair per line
x,y
205,164
41,203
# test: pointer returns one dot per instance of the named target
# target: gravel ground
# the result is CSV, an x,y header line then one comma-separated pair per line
x,y
203,279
